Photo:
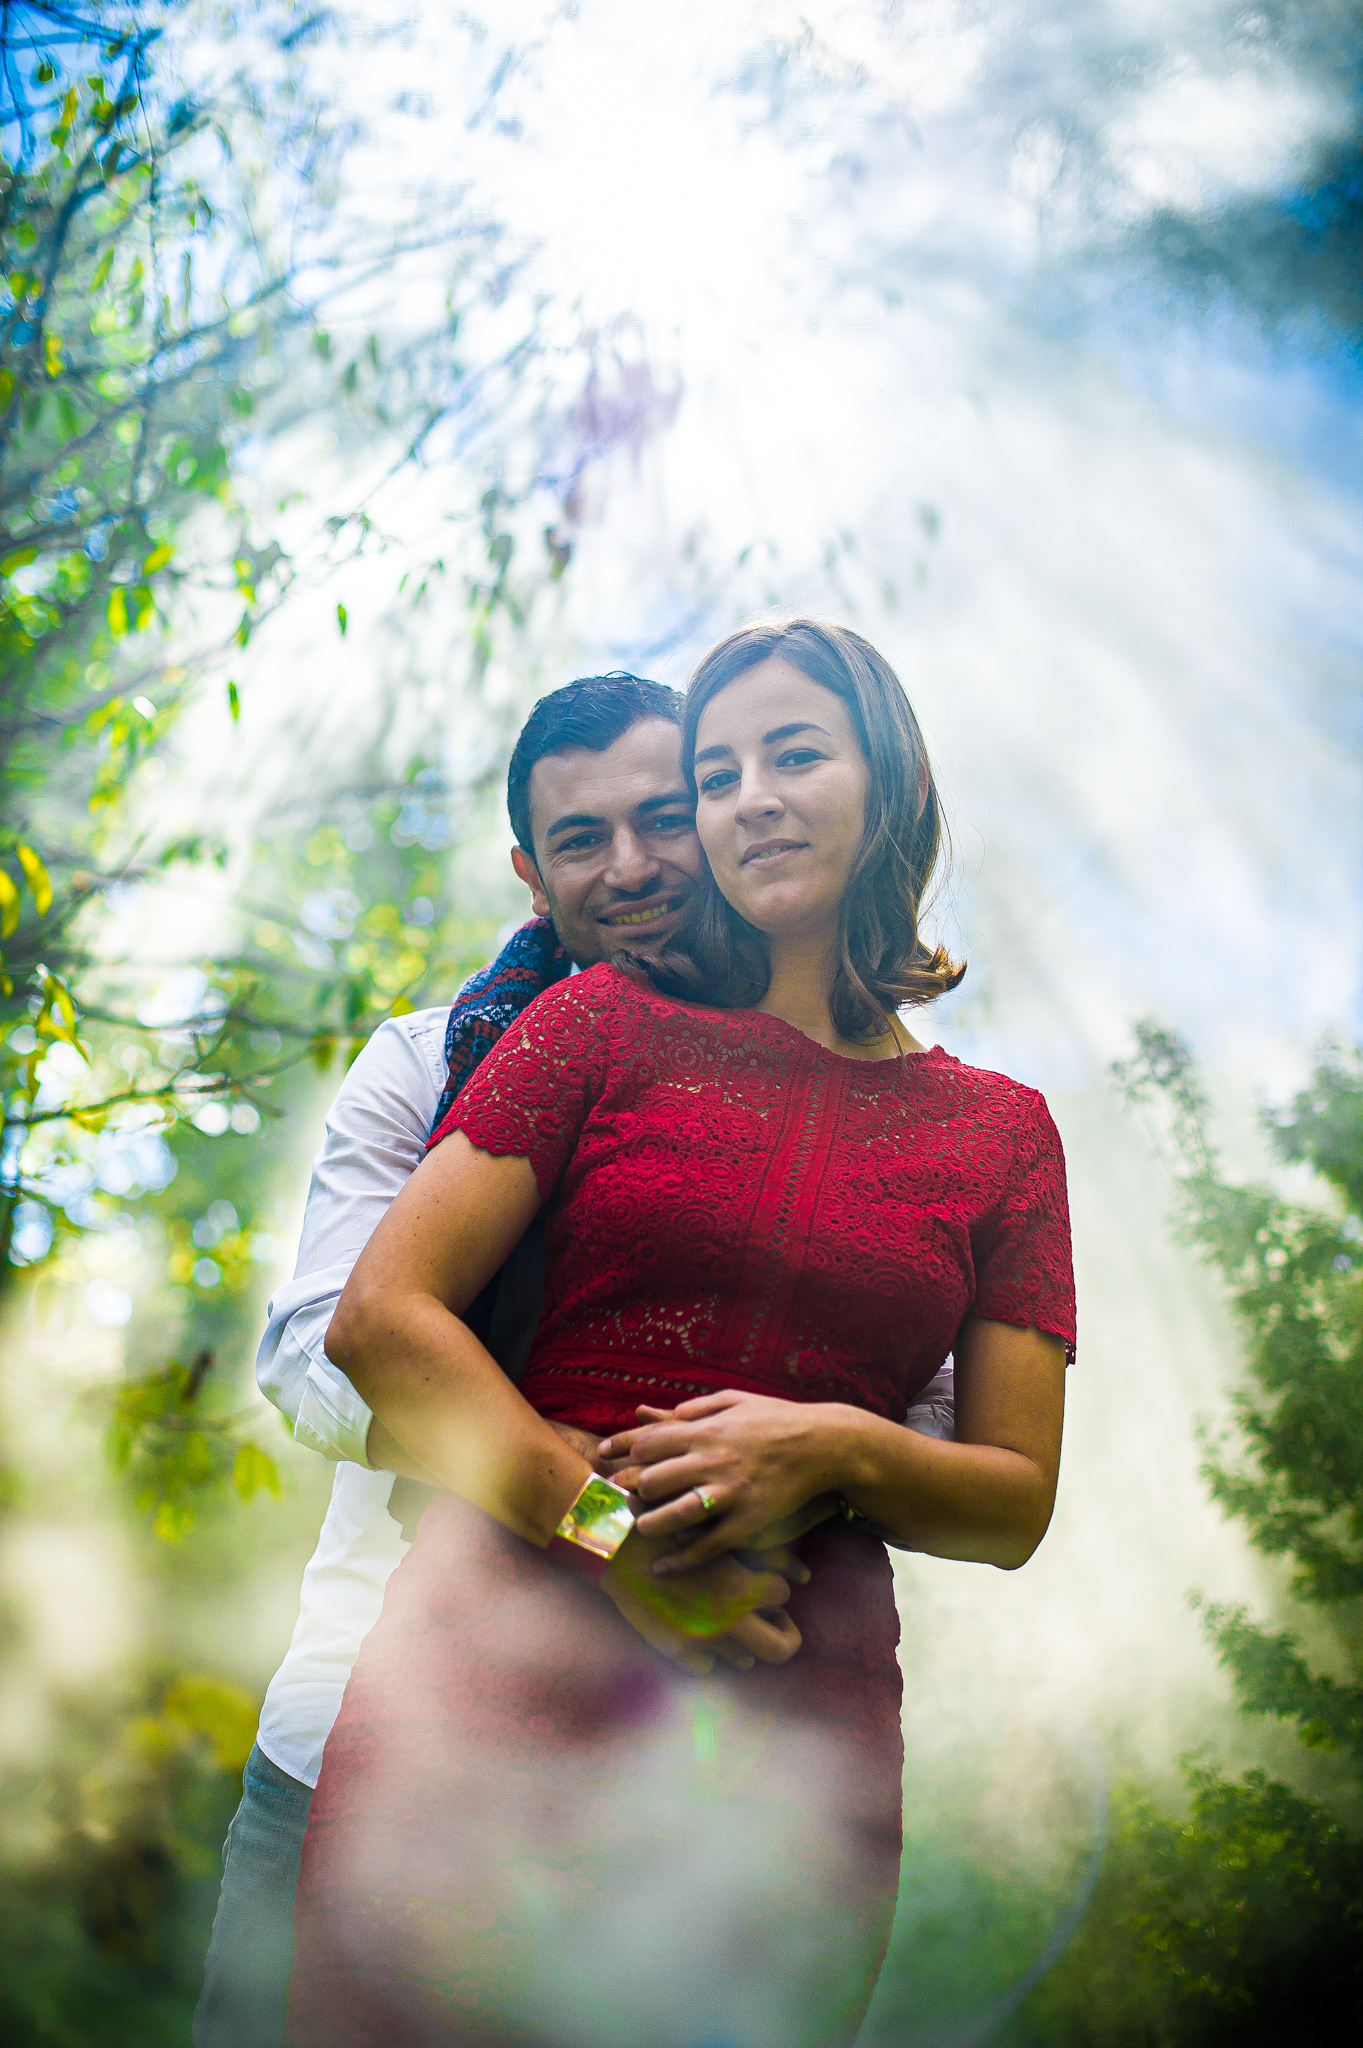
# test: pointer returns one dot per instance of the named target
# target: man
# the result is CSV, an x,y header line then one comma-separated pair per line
x,y
605,842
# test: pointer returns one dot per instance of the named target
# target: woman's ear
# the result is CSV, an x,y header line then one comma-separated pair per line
x,y
530,875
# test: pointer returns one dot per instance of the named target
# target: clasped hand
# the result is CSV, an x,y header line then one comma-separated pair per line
x,y
730,1608
758,1461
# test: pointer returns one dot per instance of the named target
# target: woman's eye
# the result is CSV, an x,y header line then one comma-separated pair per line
x,y
798,757
722,778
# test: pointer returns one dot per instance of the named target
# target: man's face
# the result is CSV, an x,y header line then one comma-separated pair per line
x,y
617,859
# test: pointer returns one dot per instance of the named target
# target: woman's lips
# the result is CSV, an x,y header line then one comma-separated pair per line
x,y
771,851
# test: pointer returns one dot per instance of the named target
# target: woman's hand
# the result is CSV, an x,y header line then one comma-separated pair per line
x,y
761,1462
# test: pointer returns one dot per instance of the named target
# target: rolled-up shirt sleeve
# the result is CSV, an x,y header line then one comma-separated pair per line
x,y
376,1133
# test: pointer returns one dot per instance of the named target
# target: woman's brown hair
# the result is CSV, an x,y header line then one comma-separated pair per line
x,y
884,962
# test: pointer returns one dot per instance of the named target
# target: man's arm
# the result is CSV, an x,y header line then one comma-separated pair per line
x,y
375,1135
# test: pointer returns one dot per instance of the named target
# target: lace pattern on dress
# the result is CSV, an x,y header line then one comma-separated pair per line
x,y
727,1204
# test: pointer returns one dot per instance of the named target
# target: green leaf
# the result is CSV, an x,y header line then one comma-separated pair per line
x,y
38,880
158,558
102,269
222,1712
173,1520
341,619
117,613
254,1470
198,1458
233,700
9,906
52,354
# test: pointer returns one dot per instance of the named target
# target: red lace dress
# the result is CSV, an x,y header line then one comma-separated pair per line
x,y
528,1828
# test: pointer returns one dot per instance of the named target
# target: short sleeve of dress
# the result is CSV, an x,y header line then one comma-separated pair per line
x,y
1024,1264
530,1097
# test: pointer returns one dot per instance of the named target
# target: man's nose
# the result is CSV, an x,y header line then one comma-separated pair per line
x,y
632,866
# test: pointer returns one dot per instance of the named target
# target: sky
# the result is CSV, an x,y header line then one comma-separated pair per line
x,y
905,286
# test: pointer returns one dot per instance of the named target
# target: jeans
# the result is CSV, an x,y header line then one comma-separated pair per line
x,y
250,1954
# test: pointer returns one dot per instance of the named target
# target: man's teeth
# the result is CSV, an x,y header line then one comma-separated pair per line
x,y
641,916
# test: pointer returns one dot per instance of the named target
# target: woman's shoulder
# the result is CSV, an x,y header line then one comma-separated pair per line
x,y
990,1094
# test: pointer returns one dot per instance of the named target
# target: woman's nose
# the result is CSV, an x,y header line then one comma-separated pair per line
x,y
757,799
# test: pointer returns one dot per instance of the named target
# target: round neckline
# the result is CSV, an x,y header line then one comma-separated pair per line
x,y
900,1064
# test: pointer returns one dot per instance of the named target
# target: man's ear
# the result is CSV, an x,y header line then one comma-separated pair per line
x,y
530,875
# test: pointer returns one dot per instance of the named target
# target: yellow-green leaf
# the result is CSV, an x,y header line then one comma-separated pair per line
x,y
6,389
9,906
158,558
254,1469
233,701
102,269
52,351
38,880
198,1458
341,619
118,614
173,1520
402,1007
222,1712
57,996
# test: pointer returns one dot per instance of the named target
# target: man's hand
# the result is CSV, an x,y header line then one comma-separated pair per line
x,y
771,1638
724,1609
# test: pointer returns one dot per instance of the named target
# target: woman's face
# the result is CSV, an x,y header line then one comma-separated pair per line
x,y
781,808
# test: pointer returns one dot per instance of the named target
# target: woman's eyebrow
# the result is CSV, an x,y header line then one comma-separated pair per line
x,y
783,732
769,739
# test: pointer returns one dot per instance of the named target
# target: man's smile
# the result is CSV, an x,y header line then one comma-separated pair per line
x,y
647,914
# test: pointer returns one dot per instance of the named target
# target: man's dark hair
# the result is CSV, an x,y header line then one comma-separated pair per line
x,y
593,712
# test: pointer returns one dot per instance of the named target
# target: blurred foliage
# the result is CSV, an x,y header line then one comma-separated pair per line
x,y
154,330
1243,1922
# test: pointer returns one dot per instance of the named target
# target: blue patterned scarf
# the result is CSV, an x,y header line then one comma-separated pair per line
x,y
531,961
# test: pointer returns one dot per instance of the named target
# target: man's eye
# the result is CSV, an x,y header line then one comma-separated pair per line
x,y
679,821
711,785
582,843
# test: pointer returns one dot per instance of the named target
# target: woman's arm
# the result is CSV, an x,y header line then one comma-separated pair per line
x,y
436,1392
986,1497
440,1398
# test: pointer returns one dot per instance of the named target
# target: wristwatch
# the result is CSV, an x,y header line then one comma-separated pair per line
x,y
594,1527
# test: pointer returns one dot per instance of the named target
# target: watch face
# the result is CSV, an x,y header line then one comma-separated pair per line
x,y
599,1519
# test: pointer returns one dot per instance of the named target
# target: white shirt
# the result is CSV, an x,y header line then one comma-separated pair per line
x,y
375,1136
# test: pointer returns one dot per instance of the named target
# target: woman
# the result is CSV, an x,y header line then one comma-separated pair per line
x,y
770,1216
